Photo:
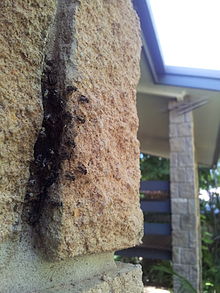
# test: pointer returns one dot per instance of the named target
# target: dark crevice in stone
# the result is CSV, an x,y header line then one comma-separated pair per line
x,y
49,150
53,144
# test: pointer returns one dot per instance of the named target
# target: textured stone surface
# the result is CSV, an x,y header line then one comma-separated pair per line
x,y
31,273
21,263
125,279
184,199
69,153
24,27
93,205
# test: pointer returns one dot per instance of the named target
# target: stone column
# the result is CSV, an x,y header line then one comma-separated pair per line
x,y
69,169
184,197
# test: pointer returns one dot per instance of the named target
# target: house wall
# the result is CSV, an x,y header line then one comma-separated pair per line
x,y
69,152
186,242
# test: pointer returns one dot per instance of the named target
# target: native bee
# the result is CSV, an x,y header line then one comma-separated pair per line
x,y
70,176
83,99
81,119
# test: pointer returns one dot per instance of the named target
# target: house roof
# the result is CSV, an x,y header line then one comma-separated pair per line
x,y
152,106
155,90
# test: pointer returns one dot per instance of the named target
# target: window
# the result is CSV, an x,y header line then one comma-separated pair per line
x,y
181,41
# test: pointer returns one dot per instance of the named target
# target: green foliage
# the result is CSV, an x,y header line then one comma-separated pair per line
x,y
209,178
134,260
210,222
150,277
210,230
154,168
156,277
185,286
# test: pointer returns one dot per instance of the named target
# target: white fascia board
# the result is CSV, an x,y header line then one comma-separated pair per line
x,y
162,92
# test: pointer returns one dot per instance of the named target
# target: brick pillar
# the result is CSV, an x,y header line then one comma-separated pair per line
x,y
69,154
184,198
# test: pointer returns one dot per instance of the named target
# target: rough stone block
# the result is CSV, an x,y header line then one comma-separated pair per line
x,y
184,201
173,130
175,221
174,187
193,277
180,238
178,175
186,190
185,129
190,175
189,145
177,144
86,197
188,256
176,117
176,255
24,27
191,206
174,159
185,159
68,115
22,270
188,222
126,279
188,117
179,206
182,269
193,238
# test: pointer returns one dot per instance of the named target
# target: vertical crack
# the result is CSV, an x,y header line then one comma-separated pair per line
x,y
53,145
44,169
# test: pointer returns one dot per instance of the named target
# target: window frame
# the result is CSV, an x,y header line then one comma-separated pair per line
x,y
170,75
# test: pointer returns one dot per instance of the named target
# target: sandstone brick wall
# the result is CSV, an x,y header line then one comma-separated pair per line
x,y
69,156
24,28
69,121
127,279
98,181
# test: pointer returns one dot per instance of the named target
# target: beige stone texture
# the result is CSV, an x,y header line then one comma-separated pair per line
x,y
96,195
22,270
24,27
125,279
69,156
